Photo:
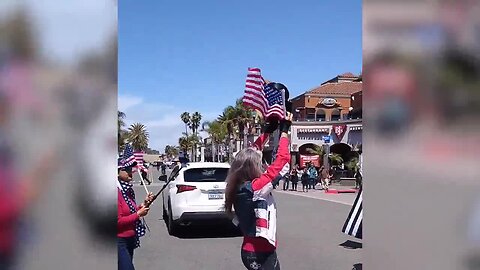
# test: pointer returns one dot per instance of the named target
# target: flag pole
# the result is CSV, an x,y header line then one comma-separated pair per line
x,y
277,133
143,182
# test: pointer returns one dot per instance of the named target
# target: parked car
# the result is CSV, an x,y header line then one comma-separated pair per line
x,y
196,193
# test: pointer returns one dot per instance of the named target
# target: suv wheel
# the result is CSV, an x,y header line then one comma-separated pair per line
x,y
172,226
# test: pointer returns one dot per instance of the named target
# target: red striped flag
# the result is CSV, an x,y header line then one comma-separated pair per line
x,y
261,97
139,160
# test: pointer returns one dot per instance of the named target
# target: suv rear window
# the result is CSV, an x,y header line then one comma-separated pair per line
x,y
205,175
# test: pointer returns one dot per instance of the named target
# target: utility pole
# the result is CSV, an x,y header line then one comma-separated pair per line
x,y
326,150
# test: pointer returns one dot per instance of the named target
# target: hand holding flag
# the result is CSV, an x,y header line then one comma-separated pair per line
x,y
267,98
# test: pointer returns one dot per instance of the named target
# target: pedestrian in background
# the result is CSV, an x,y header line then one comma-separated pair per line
x,y
145,178
305,180
129,226
286,181
312,175
294,177
164,168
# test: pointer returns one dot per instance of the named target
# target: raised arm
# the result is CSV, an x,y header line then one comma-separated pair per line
x,y
263,185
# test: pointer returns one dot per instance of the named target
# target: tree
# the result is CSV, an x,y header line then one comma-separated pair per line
x,y
171,151
244,118
353,164
316,150
138,136
122,133
195,124
227,118
121,120
237,118
195,121
334,158
185,116
217,133
184,144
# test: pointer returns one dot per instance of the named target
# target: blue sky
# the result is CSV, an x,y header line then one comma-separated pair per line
x,y
191,56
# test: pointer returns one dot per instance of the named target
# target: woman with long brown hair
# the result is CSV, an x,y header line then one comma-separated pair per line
x,y
249,192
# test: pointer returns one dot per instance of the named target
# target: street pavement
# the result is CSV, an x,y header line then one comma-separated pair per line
x,y
308,231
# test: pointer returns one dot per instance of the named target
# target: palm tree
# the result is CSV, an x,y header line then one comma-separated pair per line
x,y
195,121
316,150
353,164
195,124
121,120
188,142
121,133
184,144
123,136
218,134
244,118
171,151
185,116
335,158
138,136
227,118
167,150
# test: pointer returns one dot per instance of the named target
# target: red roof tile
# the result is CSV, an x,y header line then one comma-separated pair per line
x,y
348,75
346,88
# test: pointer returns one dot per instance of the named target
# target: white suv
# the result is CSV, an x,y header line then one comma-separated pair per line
x,y
196,192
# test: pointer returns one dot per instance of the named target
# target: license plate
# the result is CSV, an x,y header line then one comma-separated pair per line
x,y
215,196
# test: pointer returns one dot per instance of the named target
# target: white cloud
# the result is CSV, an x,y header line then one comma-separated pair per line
x,y
127,102
162,120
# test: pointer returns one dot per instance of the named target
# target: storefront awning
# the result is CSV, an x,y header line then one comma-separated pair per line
x,y
313,130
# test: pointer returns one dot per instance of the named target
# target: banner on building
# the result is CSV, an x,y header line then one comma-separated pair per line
x,y
339,130
314,159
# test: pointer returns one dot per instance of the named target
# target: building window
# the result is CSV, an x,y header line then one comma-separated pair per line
x,y
320,115
310,117
335,115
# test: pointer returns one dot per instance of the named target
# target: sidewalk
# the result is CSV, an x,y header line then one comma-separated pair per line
x,y
342,198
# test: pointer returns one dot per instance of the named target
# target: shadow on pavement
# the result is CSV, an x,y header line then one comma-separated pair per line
x,y
207,230
351,244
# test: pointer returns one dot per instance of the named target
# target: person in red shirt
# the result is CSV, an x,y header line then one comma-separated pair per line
x,y
129,225
19,190
249,193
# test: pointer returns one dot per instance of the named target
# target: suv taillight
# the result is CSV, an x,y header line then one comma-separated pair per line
x,y
183,188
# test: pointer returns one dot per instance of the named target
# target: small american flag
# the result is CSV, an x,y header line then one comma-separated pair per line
x,y
128,157
139,160
261,96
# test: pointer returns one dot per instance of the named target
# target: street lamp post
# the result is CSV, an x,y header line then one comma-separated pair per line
x,y
326,161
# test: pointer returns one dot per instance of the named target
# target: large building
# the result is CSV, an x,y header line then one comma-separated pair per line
x,y
328,115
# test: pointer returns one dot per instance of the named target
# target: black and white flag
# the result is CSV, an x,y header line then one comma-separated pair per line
x,y
353,224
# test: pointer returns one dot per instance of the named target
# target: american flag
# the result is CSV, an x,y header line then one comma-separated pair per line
x,y
129,157
139,160
260,96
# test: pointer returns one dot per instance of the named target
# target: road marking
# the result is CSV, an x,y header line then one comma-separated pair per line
x,y
313,197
